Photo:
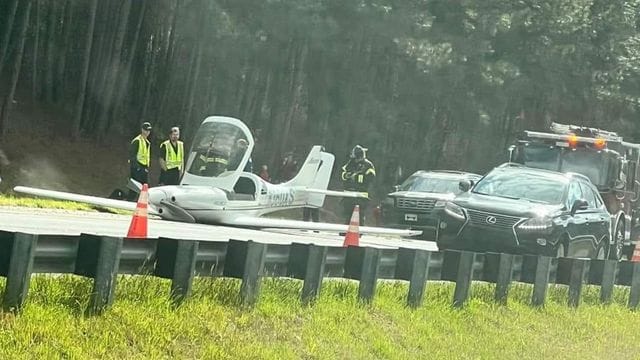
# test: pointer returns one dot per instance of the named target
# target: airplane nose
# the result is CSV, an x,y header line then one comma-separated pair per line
x,y
156,195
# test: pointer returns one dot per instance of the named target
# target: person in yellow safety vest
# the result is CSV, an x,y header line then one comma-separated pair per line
x,y
140,155
171,159
357,175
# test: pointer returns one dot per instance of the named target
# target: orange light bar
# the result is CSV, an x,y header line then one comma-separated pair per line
x,y
600,143
573,140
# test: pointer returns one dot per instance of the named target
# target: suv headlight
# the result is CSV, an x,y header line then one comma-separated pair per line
x,y
440,203
454,211
388,202
537,224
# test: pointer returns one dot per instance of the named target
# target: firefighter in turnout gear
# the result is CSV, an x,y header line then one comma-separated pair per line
x,y
171,159
214,160
357,174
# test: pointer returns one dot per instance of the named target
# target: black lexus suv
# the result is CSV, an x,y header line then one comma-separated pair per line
x,y
521,210
416,203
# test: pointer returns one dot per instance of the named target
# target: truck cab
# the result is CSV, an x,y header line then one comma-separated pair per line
x,y
605,158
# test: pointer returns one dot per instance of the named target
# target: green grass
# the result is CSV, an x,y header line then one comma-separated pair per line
x,y
10,200
211,325
41,203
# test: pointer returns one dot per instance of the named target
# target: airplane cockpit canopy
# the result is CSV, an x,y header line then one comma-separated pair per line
x,y
221,149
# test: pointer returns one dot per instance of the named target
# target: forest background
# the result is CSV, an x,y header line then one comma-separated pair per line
x,y
424,84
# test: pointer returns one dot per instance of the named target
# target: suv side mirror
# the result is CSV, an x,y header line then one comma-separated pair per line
x,y
465,185
579,205
396,188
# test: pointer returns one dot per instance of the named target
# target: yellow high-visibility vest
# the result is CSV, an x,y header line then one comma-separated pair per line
x,y
172,158
144,150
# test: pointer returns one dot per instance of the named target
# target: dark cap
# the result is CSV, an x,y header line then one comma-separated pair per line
x,y
146,126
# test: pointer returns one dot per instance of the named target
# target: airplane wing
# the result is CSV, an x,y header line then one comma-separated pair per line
x,y
351,194
262,222
93,200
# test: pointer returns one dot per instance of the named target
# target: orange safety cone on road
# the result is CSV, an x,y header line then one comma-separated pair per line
x,y
352,238
636,253
138,227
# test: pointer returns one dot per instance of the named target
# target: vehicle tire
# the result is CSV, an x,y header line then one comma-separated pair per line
x,y
616,250
602,251
560,249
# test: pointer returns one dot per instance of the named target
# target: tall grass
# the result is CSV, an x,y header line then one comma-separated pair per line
x,y
212,324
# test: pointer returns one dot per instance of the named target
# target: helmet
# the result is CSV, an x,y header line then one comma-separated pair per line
x,y
358,152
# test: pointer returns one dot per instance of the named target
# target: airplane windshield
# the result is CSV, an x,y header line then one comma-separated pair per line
x,y
218,150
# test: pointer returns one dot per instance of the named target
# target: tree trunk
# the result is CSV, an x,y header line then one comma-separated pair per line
x,y
60,79
7,33
149,76
116,63
8,100
36,44
166,85
51,48
126,74
77,115
194,84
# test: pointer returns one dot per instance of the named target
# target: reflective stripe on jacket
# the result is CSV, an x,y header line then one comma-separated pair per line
x,y
144,150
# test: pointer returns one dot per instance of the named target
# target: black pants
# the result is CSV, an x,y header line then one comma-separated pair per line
x,y
139,174
348,205
170,177
311,214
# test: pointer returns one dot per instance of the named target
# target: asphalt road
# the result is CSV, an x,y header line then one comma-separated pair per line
x,y
63,222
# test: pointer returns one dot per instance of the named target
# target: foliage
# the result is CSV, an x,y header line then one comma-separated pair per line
x,y
422,83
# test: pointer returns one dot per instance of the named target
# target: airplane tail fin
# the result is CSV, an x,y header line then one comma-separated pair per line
x,y
315,173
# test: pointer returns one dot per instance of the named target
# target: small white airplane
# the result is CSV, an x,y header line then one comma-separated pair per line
x,y
212,192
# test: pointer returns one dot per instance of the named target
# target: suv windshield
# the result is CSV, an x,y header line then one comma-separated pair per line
x,y
514,185
422,183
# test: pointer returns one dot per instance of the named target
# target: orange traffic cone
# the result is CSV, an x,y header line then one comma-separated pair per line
x,y
352,238
636,253
138,227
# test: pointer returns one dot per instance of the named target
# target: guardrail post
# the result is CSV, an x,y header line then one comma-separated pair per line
x,y
176,260
463,278
361,263
183,270
99,258
503,279
18,270
603,273
306,262
245,260
578,271
498,269
541,280
634,293
413,265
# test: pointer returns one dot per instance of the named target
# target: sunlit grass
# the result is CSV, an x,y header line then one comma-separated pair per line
x,y
212,325
28,202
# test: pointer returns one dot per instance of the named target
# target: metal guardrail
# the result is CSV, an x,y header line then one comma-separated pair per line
x,y
103,258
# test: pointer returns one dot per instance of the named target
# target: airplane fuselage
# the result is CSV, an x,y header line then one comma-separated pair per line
x,y
215,206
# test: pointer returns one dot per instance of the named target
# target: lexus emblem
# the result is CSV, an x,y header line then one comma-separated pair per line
x,y
490,220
